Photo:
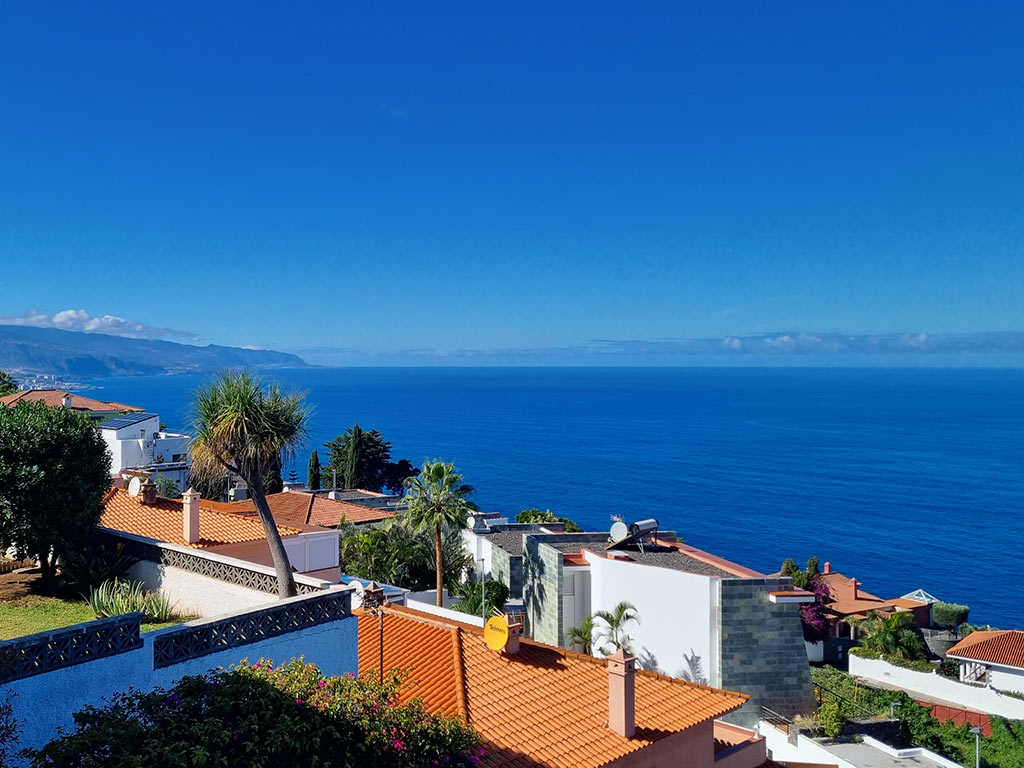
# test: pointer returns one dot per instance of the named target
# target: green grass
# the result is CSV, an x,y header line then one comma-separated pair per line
x,y
34,613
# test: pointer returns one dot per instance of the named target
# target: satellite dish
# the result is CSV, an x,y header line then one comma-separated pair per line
x,y
471,522
134,487
496,633
619,531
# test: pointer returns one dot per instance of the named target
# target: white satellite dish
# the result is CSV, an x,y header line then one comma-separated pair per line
x,y
619,531
134,487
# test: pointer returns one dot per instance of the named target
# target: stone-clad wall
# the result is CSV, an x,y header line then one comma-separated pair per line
x,y
542,591
508,569
762,649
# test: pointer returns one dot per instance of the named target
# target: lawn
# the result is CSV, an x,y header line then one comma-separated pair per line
x,y
28,614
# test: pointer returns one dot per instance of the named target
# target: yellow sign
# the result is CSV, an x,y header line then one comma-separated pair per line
x,y
496,633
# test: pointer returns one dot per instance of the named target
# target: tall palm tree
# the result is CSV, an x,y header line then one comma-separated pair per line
x,y
244,426
437,500
613,633
892,635
583,635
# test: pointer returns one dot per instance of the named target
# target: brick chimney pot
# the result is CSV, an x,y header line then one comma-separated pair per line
x,y
622,693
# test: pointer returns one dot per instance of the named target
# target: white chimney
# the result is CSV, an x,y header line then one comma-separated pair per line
x,y
190,516
65,400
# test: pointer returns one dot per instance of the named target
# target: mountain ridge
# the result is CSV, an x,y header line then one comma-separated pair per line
x,y
28,350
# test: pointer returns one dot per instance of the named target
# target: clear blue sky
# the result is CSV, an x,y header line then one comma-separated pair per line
x,y
393,176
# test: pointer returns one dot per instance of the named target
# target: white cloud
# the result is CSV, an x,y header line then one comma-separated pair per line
x,y
80,320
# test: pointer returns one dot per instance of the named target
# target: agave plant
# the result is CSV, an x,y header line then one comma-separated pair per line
x,y
115,597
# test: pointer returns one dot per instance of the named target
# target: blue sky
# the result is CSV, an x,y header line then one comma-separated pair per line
x,y
379,178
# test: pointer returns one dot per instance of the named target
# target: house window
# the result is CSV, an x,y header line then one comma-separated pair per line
x,y
568,581
175,457
142,434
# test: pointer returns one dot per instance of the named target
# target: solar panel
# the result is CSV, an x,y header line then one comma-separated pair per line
x,y
127,420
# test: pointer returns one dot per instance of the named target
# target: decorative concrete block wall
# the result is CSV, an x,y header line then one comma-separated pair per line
x,y
542,591
762,649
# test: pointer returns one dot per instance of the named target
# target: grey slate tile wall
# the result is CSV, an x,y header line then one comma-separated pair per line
x,y
762,649
542,591
508,569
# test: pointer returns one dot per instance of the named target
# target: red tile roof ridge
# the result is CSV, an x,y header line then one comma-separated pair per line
x,y
461,700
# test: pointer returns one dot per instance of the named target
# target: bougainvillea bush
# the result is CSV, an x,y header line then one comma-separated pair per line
x,y
815,617
264,716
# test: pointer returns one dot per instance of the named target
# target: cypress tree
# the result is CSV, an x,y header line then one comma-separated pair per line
x,y
313,474
352,456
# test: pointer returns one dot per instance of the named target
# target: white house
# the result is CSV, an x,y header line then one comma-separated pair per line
x,y
993,657
702,618
135,441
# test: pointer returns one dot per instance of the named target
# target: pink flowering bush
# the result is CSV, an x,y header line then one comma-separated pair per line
x,y
262,715
815,617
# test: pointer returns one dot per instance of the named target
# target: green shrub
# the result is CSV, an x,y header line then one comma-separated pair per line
x,y
831,717
495,592
114,597
950,614
260,715
918,665
93,564
9,728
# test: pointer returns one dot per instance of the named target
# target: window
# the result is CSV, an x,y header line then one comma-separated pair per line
x,y
176,457
568,582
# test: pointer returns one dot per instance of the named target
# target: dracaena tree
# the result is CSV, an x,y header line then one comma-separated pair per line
x,y
243,425
437,501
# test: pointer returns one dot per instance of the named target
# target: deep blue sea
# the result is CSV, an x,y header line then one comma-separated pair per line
x,y
903,478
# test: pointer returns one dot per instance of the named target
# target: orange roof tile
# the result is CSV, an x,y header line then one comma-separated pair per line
x,y
162,520
301,508
843,603
55,397
998,646
548,703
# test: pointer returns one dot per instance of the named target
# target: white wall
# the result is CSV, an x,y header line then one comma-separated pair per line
x,y
448,613
577,605
313,551
193,594
925,684
480,548
804,751
47,701
815,651
1006,679
678,611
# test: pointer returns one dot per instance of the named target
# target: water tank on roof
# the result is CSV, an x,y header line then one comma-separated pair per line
x,y
643,527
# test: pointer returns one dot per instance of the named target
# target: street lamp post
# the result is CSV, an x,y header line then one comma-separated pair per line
x,y
483,591
892,708
977,747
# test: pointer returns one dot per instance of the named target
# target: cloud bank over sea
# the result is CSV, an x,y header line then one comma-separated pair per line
x,y
997,349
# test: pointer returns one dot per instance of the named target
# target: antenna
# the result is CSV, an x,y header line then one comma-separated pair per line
x,y
619,531
134,487
496,633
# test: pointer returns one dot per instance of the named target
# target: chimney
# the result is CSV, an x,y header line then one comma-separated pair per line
x,y
65,400
828,567
373,595
332,495
190,516
514,631
622,693
853,589
148,492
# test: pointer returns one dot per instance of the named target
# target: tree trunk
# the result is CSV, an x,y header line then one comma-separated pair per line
x,y
283,567
440,566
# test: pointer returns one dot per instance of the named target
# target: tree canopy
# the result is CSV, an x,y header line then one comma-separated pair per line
x,y
7,384
437,500
547,516
362,459
54,470
242,425
313,472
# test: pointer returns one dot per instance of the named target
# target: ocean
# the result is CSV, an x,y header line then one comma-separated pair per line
x,y
904,478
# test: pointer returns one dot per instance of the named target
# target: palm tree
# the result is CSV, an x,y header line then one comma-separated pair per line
x,y
436,500
583,635
242,426
613,634
892,635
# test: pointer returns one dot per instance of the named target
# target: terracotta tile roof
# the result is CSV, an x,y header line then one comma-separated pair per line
x,y
548,703
55,397
843,603
301,508
162,520
998,646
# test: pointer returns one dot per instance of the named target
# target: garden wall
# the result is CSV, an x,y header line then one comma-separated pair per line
x,y
54,674
929,684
